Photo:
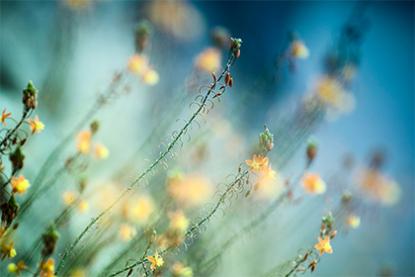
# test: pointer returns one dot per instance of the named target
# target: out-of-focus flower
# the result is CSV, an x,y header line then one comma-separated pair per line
x,y
298,50
313,184
36,125
349,71
323,246
178,221
84,141
177,18
209,60
47,268
139,209
19,184
330,92
191,190
7,249
101,151
379,188
268,184
78,272
83,206
156,261
150,77
353,221
17,268
69,197
4,116
311,152
180,270
78,4
138,64
127,232
257,163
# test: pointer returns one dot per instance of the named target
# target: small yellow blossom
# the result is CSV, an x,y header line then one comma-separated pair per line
x,y
36,125
101,151
138,64
323,246
209,60
299,50
4,116
140,209
268,184
191,190
331,93
47,268
16,268
313,184
353,221
7,250
150,77
127,232
19,184
179,270
178,221
156,261
84,141
379,188
257,163
83,206
69,197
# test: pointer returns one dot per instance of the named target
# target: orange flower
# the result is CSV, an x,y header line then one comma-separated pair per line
x,y
150,77
138,64
323,246
101,151
19,184
178,221
156,261
4,116
84,141
258,163
47,268
299,50
209,60
36,125
313,184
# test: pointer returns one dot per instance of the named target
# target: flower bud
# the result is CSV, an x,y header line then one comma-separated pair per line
x,y
9,211
50,237
17,159
311,152
142,33
236,46
266,140
30,97
94,126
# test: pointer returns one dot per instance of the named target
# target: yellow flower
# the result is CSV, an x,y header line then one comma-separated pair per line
x,y
353,221
379,188
47,268
84,141
68,197
268,184
36,125
101,152
17,268
313,184
156,261
330,92
19,184
7,250
209,60
179,270
323,246
4,116
150,77
83,206
78,4
190,191
126,232
299,50
178,221
257,163
140,210
138,64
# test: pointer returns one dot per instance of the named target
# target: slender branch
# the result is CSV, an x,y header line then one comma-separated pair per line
x,y
170,146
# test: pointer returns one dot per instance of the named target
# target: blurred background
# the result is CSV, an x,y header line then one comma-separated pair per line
x,y
71,49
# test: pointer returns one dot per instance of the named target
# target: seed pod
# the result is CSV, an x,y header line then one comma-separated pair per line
x,y
228,79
